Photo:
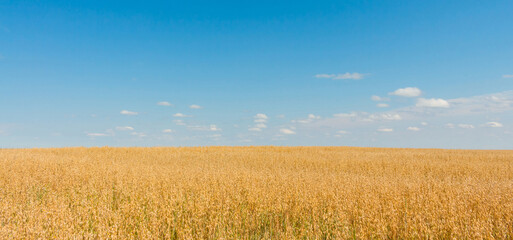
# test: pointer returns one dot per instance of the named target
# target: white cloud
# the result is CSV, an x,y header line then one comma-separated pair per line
x,y
385,116
407,92
347,75
432,102
261,116
260,119
507,76
194,106
467,126
126,112
379,99
309,119
494,124
482,104
497,102
287,131
125,128
180,115
342,132
179,122
460,110
366,117
312,116
167,131
167,104
415,129
385,130
214,128
346,115
97,135
138,134
324,75
382,105
108,133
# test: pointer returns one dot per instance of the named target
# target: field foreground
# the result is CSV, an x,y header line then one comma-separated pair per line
x,y
255,192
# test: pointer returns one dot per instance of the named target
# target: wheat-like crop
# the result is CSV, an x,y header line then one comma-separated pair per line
x,y
255,193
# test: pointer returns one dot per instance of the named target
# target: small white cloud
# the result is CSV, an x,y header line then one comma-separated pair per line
x,y
180,115
255,129
126,112
379,99
407,92
494,124
507,76
424,123
194,106
385,130
342,132
347,75
126,128
168,131
287,131
179,122
449,125
389,116
345,115
432,102
260,120
261,116
312,116
415,129
138,134
214,128
382,105
166,104
97,135
324,75
309,119
467,126
385,116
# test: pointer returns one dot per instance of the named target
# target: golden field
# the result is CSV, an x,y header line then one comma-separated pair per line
x,y
255,193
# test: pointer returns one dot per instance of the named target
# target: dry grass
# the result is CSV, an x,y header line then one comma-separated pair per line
x,y
255,192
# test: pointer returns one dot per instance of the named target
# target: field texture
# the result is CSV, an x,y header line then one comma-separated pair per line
x,y
255,193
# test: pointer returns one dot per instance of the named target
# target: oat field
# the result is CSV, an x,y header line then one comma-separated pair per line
x,y
255,193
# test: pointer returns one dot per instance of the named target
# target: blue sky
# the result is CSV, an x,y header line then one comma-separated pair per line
x,y
353,73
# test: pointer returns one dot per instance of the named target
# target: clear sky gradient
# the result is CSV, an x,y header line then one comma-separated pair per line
x,y
188,73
